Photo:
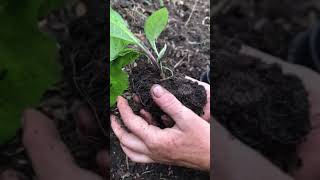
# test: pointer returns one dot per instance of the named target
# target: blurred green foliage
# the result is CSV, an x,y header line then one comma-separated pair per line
x,y
28,64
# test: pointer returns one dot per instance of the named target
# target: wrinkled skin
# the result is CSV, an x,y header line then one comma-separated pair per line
x,y
187,143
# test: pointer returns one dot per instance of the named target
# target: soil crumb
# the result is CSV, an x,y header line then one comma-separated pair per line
x,y
189,93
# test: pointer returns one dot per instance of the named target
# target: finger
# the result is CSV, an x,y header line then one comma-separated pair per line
x,y
172,106
135,123
128,139
136,157
10,175
85,121
103,161
148,117
205,85
207,115
136,98
41,135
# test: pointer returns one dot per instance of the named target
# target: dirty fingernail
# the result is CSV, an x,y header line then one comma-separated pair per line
x,y
157,91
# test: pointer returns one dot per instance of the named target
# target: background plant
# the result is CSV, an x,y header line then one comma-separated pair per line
x,y
28,63
120,55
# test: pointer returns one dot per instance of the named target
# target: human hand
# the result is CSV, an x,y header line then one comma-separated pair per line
x,y
50,158
308,150
187,143
206,109
232,159
167,120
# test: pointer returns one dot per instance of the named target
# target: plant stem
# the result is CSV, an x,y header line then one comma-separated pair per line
x,y
161,3
151,57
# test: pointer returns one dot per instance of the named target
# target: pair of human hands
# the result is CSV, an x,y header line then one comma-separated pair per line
x,y
187,143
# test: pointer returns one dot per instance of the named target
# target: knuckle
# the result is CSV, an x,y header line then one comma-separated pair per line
x,y
122,138
153,143
133,122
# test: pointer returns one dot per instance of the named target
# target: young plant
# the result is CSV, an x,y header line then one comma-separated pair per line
x,y
27,61
120,55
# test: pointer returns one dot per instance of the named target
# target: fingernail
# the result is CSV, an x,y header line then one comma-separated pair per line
x,y
157,91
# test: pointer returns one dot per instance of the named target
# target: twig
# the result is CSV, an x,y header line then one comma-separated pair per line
x,y
127,162
146,172
193,8
179,63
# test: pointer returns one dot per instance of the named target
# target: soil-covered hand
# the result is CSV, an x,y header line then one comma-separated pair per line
x,y
50,158
187,143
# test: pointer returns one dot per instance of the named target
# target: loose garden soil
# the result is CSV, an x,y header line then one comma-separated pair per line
x,y
187,36
262,107
256,102
189,93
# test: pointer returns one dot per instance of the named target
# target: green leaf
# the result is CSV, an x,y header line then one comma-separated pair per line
x,y
120,30
116,46
155,24
28,64
119,78
163,50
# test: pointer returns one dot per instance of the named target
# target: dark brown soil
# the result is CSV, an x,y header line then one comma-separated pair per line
x,y
83,55
188,53
261,106
189,93
268,25
254,101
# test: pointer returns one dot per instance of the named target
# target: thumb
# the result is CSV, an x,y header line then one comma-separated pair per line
x,y
172,106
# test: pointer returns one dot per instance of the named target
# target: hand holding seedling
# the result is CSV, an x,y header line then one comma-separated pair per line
x,y
50,157
187,143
